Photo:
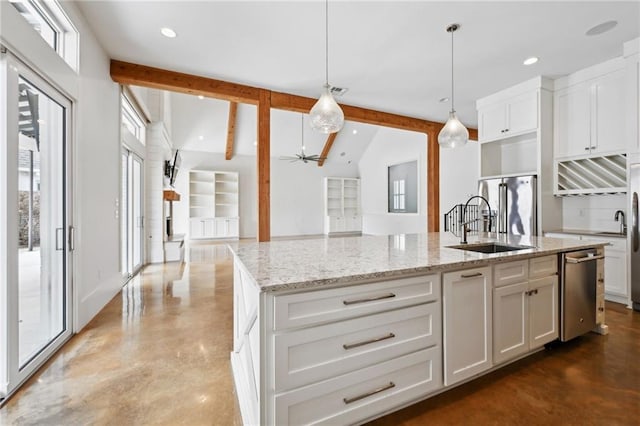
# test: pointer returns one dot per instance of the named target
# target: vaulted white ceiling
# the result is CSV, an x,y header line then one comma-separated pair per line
x,y
393,56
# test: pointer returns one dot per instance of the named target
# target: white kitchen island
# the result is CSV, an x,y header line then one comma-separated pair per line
x,y
344,330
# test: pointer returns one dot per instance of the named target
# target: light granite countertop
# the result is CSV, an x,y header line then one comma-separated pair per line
x,y
599,234
315,263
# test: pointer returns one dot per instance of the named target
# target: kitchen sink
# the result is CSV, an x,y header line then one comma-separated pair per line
x,y
489,247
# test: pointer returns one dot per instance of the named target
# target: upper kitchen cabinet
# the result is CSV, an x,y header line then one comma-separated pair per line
x,y
588,109
515,135
632,97
508,117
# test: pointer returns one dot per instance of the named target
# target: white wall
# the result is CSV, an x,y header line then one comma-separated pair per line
x,y
593,212
459,174
96,150
388,147
296,192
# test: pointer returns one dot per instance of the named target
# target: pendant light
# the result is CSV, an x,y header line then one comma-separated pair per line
x,y
453,134
326,115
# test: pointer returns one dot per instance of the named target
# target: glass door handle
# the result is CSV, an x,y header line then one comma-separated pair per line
x,y
59,239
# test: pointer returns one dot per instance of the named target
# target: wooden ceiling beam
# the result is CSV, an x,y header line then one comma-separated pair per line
x,y
327,147
156,78
303,104
231,130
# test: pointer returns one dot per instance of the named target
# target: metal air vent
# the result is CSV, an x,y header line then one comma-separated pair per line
x,y
338,91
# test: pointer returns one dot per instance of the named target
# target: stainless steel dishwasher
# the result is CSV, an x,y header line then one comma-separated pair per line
x,y
578,293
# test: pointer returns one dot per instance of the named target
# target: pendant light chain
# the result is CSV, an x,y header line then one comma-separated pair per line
x,y
453,29
326,41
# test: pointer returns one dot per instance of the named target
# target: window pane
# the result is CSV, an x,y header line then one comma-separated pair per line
x,y
38,21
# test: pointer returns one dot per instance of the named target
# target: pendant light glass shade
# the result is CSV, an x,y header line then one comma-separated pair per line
x,y
453,134
326,115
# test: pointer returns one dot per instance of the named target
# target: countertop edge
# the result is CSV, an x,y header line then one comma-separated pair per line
x,y
348,280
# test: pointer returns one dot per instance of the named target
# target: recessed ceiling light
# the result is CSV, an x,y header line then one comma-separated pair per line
x,y
601,28
355,131
201,137
530,61
200,97
444,99
168,32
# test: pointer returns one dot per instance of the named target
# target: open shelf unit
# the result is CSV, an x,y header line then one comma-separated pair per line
x,y
342,205
592,175
213,204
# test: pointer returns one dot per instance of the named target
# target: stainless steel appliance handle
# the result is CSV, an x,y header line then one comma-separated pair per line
x,y
569,259
635,222
503,208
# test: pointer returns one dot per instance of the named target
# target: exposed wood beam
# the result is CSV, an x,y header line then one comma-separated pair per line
x,y
264,164
433,181
296,103
327,147
156,78
231,130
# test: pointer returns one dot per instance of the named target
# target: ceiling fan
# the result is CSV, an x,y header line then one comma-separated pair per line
x,y
302,156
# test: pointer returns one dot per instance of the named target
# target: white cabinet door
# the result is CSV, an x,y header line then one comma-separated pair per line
x,y
510,321
337,224
608,114
221,228
209,228
195,228
467,306
543,311
522,114
615,270
492,122
572,134
233,228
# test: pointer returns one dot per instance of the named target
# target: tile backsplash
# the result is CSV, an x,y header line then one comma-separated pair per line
x,y
594,212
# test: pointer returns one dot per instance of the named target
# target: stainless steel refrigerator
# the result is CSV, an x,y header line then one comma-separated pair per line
x,y
512,201
634,191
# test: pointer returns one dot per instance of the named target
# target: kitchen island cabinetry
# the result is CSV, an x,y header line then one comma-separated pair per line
x,y
358,327
467,323
525,306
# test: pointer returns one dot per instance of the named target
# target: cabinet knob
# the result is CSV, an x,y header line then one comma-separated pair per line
x,y
586,149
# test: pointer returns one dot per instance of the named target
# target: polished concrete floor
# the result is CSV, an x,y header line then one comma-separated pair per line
x,y
159,354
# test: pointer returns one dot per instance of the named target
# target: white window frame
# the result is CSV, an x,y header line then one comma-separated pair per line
x,y
137,125
66,35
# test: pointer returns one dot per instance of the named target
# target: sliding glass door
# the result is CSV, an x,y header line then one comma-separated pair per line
x,y
35,299
131,210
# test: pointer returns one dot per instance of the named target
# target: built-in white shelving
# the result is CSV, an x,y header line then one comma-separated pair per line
x,y
213,204
342,205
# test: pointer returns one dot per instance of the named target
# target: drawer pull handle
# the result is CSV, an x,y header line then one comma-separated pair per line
x,y
368,342
477,274
373,392
369,299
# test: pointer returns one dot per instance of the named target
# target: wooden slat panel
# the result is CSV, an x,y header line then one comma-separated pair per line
x,y
327,147
264,158
156,78
231,130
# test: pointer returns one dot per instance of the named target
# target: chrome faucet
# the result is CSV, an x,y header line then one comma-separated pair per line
x,y
465,225
623,223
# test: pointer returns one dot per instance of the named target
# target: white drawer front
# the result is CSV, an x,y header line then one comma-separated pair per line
x,y
510,273
543,266
315,307
387,385
313,354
